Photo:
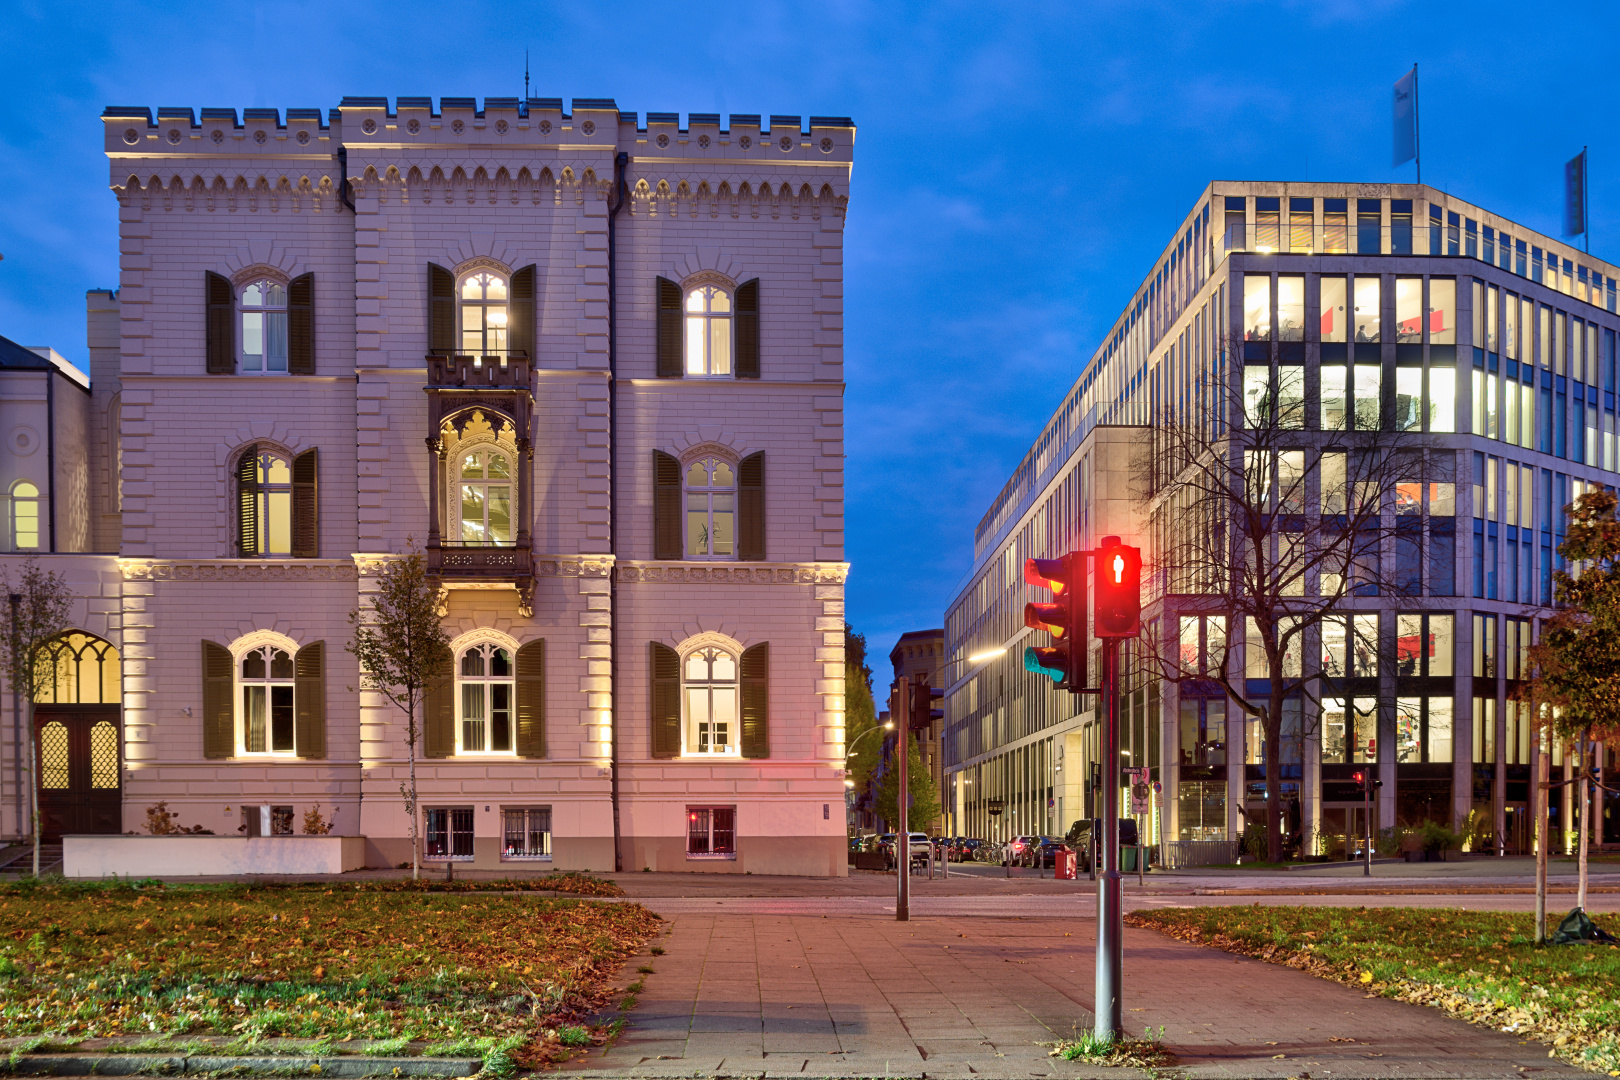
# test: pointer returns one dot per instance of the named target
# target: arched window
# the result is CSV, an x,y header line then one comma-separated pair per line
x,y
486,497
483,314
264,327
83,670
708,331
24,516
485,700
267,720
265,503
709,688
711,509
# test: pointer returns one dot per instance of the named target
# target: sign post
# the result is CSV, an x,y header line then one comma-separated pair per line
x,y
902,845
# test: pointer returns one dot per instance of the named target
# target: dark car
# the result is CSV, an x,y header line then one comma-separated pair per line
x,y
1081,838
1048,851
965,848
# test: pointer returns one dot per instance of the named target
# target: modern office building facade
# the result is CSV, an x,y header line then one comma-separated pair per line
x,y
1389,307
589,363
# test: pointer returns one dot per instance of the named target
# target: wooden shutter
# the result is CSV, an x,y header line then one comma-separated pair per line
x,y
669,329
751,507
666,506
218,693
441,311
665,667
747,329
306,505
220,300
756,701
531,700
520,325
439,712
301,325
247,504
309,700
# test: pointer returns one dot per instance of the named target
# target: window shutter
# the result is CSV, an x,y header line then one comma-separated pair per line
x,y
756,701
531,700
220,299
665,666
748,329
669,329
751,507
247,512
666,506
306,505
218,697
441,311
439,713
309,700
520,328
301,325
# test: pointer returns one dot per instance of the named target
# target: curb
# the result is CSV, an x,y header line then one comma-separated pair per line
x,y
169,1064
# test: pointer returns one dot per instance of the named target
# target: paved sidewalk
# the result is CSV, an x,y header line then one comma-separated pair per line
x,y
963,996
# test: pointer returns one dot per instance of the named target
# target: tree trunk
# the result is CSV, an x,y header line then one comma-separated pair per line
x,y
1272,726
33,781
1538,802
1586,807
410,748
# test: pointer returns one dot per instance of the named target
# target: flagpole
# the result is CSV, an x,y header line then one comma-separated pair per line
x,y
1417,126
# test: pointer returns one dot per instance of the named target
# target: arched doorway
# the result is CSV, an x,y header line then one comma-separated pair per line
x,y
78,732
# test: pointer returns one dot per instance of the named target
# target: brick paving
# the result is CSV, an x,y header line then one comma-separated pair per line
x,y
857,994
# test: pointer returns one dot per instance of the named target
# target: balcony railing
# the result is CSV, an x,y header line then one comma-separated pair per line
x,y
480,562
480,372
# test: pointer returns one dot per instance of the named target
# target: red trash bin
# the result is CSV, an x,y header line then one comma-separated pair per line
x,y
1064,869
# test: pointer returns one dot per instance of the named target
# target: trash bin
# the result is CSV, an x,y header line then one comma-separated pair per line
x,y
1127,859
1064,867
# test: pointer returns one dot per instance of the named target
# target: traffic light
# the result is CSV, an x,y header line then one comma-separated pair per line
x,y
1365,781
923,713
1064,661
1119,589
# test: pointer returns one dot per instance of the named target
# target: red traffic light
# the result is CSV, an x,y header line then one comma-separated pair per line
x,y
1358,777
1119,589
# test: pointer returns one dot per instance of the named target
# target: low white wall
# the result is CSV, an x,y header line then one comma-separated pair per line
x,y
200,856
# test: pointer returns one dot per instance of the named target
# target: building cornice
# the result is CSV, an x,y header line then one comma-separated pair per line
x,y
695,573
136,569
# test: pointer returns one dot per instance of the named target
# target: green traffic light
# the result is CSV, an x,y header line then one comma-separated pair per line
x,y
1049,662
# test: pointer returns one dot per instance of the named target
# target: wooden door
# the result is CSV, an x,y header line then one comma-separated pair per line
x,y
80,769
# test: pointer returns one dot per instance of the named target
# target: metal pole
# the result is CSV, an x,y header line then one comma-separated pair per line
x,y
1543,775
17,712
1110,891
1366,824
902,726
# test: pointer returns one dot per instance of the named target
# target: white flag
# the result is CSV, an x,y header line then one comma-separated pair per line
x,y
1406,117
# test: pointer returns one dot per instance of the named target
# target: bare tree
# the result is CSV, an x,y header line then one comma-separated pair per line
x,y
1277,520
400,642
41,603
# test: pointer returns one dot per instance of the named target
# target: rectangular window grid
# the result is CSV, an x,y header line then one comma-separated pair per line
x,y
449,832
526,832
711,832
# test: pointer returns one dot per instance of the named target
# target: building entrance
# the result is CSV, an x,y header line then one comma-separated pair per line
x,y
79,775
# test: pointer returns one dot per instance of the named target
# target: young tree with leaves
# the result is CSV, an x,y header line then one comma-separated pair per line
x,y
1273,521
924,793
400,641
41,603
1575,667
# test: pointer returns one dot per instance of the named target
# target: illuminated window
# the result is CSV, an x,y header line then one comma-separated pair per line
x,y
486,497
266,724
485,701
264,328
708,331
526,832
265,496
709,687
483,299
24,516
711,509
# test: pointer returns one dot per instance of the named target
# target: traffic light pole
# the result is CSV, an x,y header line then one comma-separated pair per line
x,y
902,846
1110,888
1366,813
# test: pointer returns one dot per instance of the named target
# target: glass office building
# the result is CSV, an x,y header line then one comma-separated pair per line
x,y
1365,306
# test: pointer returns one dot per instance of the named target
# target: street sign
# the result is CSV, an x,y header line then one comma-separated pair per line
x,y
996,806
1141,799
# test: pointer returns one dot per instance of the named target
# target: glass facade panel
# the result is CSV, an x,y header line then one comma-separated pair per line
x,y
1256,307
1332,316
1367,317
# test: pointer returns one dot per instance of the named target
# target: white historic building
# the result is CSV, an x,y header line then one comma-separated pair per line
x,y
592,366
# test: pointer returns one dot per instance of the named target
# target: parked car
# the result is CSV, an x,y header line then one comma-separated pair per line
x,y
918,848
1021,851
1048,851
963,849
1082,838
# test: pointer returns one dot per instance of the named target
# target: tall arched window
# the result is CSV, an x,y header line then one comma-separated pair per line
x,y
709,687
708,331
264,327
485,701
483,314
486,497
711,509
24,516
264,492
267,719
83,670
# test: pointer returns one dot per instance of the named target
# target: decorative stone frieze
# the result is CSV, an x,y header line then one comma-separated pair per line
x,y
734,574
237,569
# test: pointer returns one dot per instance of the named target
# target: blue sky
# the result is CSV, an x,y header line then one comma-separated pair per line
x,y
1018,166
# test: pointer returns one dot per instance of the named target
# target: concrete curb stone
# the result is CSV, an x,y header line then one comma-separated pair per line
x,y
173,1064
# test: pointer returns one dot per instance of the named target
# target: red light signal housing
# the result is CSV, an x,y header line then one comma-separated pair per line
x,y
1118,612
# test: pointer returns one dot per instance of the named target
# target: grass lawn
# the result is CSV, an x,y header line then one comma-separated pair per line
x,y
1479,965
460,970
